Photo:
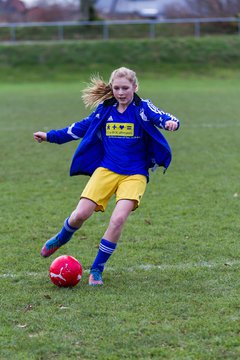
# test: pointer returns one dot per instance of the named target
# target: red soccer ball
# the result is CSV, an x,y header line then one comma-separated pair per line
x,y
65,271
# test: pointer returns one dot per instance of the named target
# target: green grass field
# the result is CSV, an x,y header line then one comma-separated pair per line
x,y
171,290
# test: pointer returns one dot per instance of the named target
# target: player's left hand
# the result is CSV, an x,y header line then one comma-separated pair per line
x,y
171,125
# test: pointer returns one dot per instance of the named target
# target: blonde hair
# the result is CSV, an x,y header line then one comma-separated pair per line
x,y
97,90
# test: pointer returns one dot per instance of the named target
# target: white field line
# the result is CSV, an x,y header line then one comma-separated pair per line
x,y
143,267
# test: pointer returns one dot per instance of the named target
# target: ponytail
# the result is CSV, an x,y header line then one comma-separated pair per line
x,y
96,92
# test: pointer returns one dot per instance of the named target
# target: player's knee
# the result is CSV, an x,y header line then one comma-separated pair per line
x,y
80,216
118,221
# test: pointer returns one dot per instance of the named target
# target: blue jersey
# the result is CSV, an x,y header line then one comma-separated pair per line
x,y
138,139
124,143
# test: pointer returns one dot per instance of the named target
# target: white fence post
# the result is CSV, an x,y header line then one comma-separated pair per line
x,y
197,27
152,32
13,33
60,32
105,31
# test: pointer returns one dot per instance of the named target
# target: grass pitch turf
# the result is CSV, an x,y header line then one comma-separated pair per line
x,y
171,290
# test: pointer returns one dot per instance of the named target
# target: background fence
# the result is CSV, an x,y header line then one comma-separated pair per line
x,y
117,29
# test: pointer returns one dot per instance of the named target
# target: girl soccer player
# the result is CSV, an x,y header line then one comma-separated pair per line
x,y
120,143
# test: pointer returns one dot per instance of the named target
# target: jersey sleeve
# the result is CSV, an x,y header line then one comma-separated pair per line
x,y
74,131
157,116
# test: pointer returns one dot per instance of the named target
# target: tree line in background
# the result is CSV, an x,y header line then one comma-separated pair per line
x,y
75,10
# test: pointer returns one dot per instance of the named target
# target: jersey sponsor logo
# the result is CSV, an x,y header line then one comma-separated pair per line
x,y
120,129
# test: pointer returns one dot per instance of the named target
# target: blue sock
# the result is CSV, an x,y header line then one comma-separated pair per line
x,y
106,249
63,236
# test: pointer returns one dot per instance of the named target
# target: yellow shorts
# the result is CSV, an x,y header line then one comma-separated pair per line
x,y
104,183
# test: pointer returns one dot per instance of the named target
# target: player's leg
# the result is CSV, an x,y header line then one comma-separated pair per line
x,y
94,197
128,196
109,241
119,216
83,211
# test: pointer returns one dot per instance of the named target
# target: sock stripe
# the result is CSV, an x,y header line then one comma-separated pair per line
x,y
68,227
106,249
